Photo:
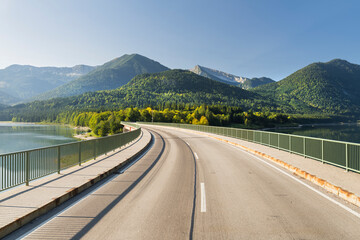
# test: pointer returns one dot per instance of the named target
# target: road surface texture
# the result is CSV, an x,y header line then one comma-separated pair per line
x,y
190,186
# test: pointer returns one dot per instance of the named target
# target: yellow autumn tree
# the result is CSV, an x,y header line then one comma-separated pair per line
x,y
203,121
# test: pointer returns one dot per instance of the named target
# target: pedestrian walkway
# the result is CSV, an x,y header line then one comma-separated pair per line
x,y
20,205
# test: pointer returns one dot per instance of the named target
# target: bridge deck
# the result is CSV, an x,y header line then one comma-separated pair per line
x,y
23,203
336,176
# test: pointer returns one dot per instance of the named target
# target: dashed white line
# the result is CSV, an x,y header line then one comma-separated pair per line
x,y
203,197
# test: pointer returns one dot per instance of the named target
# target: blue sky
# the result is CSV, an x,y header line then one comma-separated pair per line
x,y
246,38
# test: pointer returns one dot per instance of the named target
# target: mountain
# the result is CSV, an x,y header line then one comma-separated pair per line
x,y
7,99
24,81
164,89
180,86
322,89
2,106
255,82
243,82
328,88
111,75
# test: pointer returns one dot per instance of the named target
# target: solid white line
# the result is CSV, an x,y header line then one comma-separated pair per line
x,y
196,156
203,197
304,184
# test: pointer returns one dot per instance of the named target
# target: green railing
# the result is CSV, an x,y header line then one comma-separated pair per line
x,y
342,154
22,167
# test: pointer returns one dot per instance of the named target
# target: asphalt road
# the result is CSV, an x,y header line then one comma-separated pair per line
x,y
189,186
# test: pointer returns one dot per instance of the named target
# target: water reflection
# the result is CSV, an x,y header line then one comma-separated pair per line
x,y
19,136
341,132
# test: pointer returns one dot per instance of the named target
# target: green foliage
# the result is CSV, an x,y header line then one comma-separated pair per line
x,y
320,91
101,123
170,89
179,86
102,128
109,122
330,88
255,82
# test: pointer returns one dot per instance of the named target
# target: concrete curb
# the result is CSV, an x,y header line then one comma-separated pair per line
x,y
16,224
342,193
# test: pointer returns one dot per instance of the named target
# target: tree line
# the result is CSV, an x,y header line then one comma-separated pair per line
x,y
103,123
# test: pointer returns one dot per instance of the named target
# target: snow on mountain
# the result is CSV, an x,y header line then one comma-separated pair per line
x,y
207,72
243,82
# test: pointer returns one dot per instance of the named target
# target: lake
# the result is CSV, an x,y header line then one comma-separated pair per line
x,y
341,132
22,136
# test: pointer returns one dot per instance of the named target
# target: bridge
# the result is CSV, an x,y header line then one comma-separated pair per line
x,y
174,181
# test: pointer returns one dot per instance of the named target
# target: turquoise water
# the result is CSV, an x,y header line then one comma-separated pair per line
x,y
341,132
19,136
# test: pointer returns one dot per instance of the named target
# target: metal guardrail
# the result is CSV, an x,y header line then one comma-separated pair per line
x,y
132,124
341,154
22,167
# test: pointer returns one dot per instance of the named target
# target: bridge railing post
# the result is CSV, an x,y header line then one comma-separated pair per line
x,y
27,168
58,160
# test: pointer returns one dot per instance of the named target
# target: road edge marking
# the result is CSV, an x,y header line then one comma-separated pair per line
x,y
304,184
336,190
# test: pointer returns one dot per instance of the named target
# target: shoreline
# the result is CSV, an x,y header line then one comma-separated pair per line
x,y
83,137
80,136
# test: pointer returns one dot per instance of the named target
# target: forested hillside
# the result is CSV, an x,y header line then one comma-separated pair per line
x,y
319,88
255,82
171,89
111,75
318,91
180,86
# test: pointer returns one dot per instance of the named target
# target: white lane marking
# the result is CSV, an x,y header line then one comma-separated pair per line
x,y
304,184
203,197
196,156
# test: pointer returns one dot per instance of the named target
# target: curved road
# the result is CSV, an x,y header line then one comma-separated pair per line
x,y
189,186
